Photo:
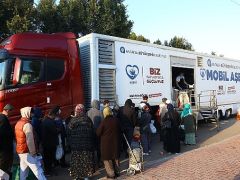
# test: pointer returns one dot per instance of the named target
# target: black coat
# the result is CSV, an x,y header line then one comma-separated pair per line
x,y
6,143
49,133
6,135
81,134
144,122
171,141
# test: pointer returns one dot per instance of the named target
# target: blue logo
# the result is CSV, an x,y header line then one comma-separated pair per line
x,y
202,73
132,71
209,63
122,49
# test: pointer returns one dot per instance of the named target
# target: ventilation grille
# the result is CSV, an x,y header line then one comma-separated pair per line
x,y
107,87
106,52
85,64
199,61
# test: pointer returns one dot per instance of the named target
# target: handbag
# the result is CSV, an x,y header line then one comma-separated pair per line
x,y
59,150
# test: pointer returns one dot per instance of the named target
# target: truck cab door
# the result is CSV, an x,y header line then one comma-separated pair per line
x,y
25,84
58,85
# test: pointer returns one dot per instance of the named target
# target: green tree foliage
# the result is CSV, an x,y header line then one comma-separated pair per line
x,y
213,53
157,42
79,16
85,16
133,36
179,42
165,43
72,16
47,16
113,19
16,16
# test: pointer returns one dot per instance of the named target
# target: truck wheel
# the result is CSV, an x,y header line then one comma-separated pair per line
x,y
228,113
219,115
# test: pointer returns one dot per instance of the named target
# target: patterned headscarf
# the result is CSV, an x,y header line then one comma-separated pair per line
x,y
186,110
79,110
107,112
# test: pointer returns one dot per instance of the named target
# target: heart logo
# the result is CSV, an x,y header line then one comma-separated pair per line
x,y
132,71
202,72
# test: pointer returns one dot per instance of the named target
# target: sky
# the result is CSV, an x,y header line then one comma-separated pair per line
x,y
209,25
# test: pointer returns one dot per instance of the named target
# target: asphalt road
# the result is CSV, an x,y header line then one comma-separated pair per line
x,y
207,134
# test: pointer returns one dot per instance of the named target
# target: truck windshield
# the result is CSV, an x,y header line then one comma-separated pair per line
x,y
2,73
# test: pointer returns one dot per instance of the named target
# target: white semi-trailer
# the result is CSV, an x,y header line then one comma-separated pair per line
x,y
117,69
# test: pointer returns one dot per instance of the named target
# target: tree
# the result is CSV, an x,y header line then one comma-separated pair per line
x,y
133,36
72,15
157,42
166,43
213,53
112,18
48,18
85,16
16,16
181,43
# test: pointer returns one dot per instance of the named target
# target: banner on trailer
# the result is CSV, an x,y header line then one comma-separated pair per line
x,y
222,76
141,70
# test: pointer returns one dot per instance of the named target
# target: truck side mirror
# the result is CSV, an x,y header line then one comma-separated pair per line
x,y
16,73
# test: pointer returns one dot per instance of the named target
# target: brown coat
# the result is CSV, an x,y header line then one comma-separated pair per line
x,y
109,132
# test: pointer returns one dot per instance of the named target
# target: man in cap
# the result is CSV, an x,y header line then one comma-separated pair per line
x,y
6,142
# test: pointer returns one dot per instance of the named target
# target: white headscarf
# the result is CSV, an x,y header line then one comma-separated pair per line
x,y
26,112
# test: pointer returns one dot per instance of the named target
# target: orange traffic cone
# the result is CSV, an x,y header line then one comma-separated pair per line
x,y
238,115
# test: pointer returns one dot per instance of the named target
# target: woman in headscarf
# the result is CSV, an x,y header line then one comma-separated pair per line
x,y
109,132
81,135
171,140
26,147
95,114
144,124
189,124
128,121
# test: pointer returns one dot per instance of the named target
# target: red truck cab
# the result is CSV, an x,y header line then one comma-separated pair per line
x,y
41,70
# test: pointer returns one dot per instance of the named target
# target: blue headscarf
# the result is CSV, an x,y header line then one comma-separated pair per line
x,y
186,110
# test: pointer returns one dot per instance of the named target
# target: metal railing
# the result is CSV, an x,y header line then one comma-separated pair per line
x,y
207,99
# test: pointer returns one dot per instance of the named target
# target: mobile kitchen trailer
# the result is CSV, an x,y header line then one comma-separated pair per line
x,y
118,69
59,69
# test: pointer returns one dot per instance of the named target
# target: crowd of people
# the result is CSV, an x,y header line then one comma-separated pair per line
x,y
95,137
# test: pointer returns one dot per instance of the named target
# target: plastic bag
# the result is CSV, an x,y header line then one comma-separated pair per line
x,y
4,175
152,127
59,150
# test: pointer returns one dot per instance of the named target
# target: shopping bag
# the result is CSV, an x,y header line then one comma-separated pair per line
x,y
59,150
152,127
4,175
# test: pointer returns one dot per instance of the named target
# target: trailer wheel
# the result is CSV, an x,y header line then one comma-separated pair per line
x,y
228,113
220,115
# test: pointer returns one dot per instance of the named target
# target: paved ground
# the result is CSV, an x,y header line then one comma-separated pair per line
x,y
216,156
219,161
